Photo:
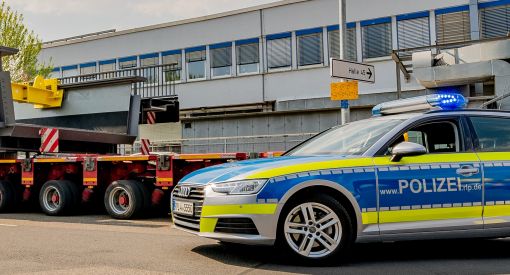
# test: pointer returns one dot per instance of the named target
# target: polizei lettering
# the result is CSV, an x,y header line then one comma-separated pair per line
x,y
437,185
434,185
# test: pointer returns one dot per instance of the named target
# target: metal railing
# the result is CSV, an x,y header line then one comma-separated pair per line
x,y
405,55
257,143
160,80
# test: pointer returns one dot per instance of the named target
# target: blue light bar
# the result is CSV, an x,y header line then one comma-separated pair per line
x,y
442,101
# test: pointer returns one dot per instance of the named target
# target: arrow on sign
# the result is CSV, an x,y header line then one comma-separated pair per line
x,y
369,73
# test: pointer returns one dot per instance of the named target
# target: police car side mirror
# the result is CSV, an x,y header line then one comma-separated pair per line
x,y
407,149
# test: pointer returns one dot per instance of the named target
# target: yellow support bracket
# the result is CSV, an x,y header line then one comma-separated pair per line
x,y
43,93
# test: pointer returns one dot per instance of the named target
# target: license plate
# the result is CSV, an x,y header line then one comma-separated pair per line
x,y
183,208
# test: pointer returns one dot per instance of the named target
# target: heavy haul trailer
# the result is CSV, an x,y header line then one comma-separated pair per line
x,y
90,119
129,186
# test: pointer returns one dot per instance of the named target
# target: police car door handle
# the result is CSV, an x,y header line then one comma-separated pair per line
x,y
468,171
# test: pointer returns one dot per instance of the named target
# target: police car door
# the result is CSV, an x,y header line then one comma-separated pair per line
x,y
492,144
437,191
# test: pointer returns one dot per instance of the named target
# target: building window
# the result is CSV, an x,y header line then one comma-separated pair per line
x,y
310,48
149,62
221,59
127,62
494,20
413,30
172,65
452,25
247,56
279,51
55,73
376,37
88,68
351,46
195,61
107,65
70,71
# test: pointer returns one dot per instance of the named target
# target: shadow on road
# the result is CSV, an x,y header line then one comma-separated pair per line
x,y
95,219
456,256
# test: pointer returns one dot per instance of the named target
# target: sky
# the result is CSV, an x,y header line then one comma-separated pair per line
x,y
55,19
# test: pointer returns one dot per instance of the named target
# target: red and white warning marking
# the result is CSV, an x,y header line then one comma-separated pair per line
x,y
145,144
49,140
151,118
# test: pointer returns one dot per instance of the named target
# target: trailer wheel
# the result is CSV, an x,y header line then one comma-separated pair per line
x,y
123,199
56,197
7,196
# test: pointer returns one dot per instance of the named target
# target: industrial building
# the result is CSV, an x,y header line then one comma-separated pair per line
x,y
258,79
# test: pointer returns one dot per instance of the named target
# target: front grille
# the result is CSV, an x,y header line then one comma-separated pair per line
x,y
196,196
236,226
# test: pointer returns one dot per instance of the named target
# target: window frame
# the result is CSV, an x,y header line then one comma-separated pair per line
x,y
240,43
280,36
414,16
211,68
70,68
128,59
146,70
179,68
307,34
387,21
336,28
440,13
464,132
472,129
191,50
107,62
490,6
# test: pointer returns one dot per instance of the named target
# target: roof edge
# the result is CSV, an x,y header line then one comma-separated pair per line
x,y
280,3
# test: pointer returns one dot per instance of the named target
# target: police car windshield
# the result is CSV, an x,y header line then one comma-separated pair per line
x,y
351,139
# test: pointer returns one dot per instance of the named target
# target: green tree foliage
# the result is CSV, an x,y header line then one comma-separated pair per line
x,y
23,66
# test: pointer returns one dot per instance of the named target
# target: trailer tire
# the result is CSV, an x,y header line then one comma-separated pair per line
x,y
123,199
76,194
146,197
7,196
56,198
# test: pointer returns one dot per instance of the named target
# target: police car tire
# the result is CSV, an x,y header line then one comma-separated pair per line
x,y
346,241
66,199
7,196
135,195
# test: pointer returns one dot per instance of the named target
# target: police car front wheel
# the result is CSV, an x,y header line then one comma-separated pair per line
x,y
317,229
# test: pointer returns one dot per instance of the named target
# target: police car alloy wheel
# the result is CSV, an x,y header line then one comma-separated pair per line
x,y
315,229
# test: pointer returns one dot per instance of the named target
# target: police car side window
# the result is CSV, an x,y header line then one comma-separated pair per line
x,y
437,137
493,134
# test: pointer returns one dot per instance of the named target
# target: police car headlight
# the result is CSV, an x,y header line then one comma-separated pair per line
x,y
245,187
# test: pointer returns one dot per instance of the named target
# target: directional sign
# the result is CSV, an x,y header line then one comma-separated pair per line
x,y
352,70
344,90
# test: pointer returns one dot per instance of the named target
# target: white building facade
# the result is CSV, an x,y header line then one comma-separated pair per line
x,y
257,79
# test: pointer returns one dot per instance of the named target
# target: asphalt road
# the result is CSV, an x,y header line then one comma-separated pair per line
x,y
37,244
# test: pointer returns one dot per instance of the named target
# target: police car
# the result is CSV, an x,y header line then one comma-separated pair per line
x,y
400,175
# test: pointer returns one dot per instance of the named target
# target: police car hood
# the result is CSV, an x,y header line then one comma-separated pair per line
x,y
246,169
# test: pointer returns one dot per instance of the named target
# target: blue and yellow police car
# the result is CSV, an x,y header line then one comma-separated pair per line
x,y
420,168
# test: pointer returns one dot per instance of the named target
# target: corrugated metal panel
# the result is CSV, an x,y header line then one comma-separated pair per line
x,y
495,21
310,49
413,33
453,27
221,57
376,40
279,53
351,46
